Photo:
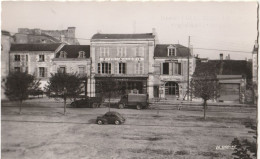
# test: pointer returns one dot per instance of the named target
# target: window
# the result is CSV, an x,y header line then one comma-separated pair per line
x,y
41,58
105,68
171,52
42,72
63,54
177,68
17,58
139,68
17,69
141,52
82,54
26,58
62,69
165,68
81,70
122,68
98,67
121,51
104,52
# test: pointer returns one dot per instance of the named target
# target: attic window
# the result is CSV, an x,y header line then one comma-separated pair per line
x,y
63,54
82,54
171,52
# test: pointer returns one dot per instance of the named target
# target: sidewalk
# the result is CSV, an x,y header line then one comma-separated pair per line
x,y
199,103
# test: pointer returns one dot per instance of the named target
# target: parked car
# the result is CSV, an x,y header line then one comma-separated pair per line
x,y
89,102
139,101
110,118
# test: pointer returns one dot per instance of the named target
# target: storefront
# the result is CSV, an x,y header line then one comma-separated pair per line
x,y
120,85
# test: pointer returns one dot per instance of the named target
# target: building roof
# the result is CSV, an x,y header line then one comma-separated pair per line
x,y
123,36
7,33
73,50
162,51
34,47
225,67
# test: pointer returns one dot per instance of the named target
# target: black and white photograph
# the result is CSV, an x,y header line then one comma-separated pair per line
x,y
129,79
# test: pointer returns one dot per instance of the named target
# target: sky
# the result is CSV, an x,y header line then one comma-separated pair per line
x,y
210,25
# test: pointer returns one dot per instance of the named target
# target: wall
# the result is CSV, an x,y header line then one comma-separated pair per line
x,y
5,48
33,63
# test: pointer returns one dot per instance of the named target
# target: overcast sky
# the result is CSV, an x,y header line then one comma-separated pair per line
x,y
213,25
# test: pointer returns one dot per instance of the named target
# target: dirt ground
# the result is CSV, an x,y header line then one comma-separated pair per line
x,y
163,131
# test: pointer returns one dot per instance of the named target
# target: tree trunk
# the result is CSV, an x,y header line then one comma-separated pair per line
x,y
20,107
64,106
205,106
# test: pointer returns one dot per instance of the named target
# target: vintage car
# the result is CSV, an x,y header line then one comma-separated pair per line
x,y
110,118
88,102
139,101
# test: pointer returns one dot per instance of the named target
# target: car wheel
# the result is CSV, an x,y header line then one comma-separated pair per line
x,y
117,122
138,107
121,106
99,122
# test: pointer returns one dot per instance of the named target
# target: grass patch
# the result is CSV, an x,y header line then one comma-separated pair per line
x,y
182,152
152,151
210,154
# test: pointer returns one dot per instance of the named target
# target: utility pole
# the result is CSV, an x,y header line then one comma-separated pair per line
x,y
188,89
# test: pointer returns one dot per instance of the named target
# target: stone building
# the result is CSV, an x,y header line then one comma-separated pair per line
x,y
74,59
255,70
6,40
233,77
36,59
170,78
125,58
37,36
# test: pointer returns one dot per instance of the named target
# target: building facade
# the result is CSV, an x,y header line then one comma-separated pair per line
x,y
172,62
38,36
74,59
6,40
36,59
125,58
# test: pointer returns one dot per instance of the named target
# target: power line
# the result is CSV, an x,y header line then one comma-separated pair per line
x,y
213,49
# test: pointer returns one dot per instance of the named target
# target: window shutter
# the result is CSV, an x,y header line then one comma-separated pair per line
x,y
22,58
109,68
161,68
185,68
36,72
45,72
171,68
124,71
98,67
142,52
173,71
125,51
116,67
136,68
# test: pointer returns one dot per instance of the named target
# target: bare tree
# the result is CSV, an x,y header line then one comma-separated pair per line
x,y
18,86
64,86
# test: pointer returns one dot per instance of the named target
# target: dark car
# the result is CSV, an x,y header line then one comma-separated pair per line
x,y
110,118
89,102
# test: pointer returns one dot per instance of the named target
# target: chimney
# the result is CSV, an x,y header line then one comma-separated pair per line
x,y
221,56
155,36
256,44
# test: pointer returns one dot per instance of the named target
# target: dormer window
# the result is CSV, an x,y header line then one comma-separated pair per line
x,y
171,51
63,54
82,54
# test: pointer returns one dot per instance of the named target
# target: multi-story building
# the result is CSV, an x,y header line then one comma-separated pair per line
x,y
6,40
126,58
74,59
36,59
255,70
170,78
37,36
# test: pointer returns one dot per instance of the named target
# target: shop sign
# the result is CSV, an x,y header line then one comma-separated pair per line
x,y
170,78
123,59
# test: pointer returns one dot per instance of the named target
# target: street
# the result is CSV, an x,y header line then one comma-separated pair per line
x,y
162,131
